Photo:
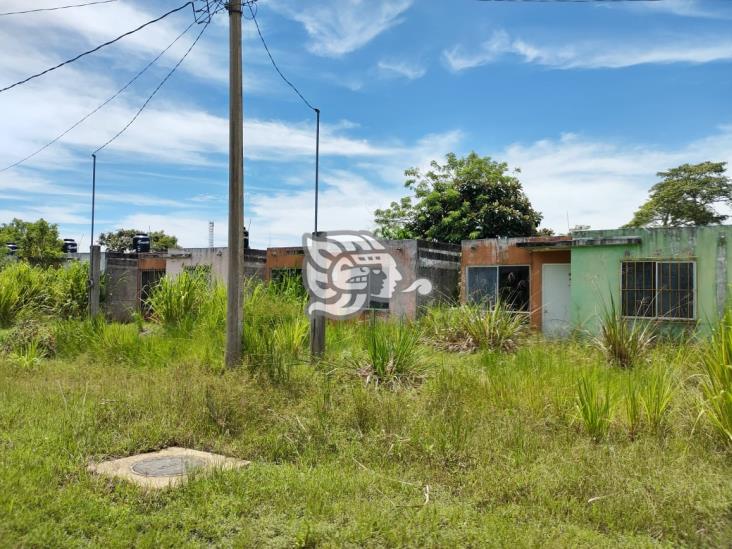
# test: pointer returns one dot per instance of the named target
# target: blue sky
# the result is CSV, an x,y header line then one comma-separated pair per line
x,y
588,100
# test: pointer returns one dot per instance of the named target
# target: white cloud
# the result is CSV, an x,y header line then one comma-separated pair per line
x,y
592,54
405,69
338,27
600,183
683,8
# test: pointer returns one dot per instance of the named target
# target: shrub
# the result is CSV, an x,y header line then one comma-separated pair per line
x,y
625,342
717,378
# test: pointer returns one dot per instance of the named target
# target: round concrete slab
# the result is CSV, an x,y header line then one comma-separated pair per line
x,y
168,466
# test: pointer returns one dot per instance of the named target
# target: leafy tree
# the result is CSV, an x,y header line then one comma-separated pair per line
x,y
121,240
37,241
465,198
687,195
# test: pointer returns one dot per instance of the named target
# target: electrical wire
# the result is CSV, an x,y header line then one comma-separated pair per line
x,y
58,8
567,1
97,109
274,64
167,76
120,37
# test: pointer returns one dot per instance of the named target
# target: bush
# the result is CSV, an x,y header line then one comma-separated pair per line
x,y
492,328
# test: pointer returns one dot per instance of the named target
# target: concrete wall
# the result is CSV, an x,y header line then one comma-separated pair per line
x,y
121,296
217,258
287,258
84,257
440,264
509,251
596,269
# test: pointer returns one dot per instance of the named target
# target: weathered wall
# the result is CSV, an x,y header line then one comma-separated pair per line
x,y
596,269
121,298
283,258
440,264
505,251
217,259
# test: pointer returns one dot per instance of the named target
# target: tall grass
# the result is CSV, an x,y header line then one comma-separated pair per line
x,y
625,342
657,393
392,352
32,291
595,406
717,384
175,302
471,326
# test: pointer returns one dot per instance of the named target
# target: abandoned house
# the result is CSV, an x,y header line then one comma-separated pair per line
x,y
676,277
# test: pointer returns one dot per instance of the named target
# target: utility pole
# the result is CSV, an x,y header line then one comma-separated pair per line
x,y
236,188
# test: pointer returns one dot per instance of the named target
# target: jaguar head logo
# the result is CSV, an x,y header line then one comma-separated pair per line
x,y
347,272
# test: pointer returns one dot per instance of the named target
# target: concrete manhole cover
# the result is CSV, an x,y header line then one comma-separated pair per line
x,y
165,468
174,466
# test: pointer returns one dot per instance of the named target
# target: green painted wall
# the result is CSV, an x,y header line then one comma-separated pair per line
x,y
596,269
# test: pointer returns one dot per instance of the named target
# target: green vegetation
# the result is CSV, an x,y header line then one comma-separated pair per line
x,y
121,240
464,198
401,435
37,241
689,194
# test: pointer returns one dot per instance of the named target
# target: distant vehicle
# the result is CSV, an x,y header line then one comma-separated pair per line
x,y
70,246
141,243
12,248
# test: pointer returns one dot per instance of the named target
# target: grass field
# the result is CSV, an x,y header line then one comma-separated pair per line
x,y
523,442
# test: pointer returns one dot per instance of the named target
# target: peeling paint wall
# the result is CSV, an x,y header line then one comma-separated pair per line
x,y
121,298
506,251
596,270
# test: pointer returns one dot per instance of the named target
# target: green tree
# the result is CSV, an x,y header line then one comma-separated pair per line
x,y
37,241
121,240
686,195
464,198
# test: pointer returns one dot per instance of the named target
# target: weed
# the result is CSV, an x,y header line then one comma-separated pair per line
x,y
495,327
656,394
594,407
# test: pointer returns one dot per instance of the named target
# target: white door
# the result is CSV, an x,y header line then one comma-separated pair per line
x,y
555,299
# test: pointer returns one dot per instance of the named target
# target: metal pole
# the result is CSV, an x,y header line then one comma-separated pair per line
x,y
93,282
317,165
236,188
317,323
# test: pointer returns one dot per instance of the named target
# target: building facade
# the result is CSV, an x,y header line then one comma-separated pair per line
x,y
530,275
677,277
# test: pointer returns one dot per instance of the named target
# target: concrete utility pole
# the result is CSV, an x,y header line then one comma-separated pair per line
x,y
236,188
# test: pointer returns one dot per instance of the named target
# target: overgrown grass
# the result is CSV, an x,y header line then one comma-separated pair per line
x,y
717,379
544,445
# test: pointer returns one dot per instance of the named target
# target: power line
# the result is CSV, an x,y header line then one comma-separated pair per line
x,y
120,37
58,8
274,64
97,109
567,1
167,76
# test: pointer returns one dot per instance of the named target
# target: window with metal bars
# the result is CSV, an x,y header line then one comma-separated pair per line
x,y
658,289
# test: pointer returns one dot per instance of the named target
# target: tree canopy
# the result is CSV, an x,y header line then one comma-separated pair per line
x,y
37,241
121,240
464,198
686,195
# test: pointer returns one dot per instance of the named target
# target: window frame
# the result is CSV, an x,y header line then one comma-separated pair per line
x,y
498,282
656,316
